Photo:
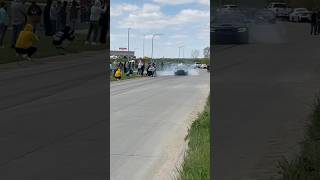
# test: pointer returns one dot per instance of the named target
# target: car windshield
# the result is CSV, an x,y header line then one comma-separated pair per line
x,y
229,19
301,10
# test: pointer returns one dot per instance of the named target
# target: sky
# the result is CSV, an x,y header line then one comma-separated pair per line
x,y
178,22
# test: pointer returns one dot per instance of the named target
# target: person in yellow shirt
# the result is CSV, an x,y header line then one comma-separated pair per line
x,y
117,75
25,42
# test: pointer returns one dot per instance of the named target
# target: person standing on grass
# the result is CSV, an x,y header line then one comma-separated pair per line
x,y
73,14
46,18
103,22
94,23
139,67
4,22
53,17
313,23
25,42
18,19
62,16
318,23
142,68
34,14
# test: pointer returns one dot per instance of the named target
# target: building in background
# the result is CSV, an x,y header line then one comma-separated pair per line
x,y
120,54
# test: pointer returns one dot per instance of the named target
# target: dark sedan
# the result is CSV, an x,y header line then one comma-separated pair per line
x,y
229,29
181,70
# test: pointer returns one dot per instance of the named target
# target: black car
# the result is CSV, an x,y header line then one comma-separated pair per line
x,y
181,70
229,28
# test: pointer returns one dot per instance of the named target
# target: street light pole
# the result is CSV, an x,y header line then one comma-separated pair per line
x,y
153,36
144,36
179,50
129,44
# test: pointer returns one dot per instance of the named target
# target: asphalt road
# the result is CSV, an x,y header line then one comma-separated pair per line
x,y
53,119
263,94
148,123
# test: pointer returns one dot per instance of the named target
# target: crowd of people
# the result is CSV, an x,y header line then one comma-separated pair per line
x,y
26,20
128,69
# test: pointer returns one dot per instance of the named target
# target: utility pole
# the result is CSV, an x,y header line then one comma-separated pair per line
x,y
129,44
144,36
179,50
153,36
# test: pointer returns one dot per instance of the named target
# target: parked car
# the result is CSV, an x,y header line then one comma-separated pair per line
x,y
300,15
203,66
197,65
281,9
229,28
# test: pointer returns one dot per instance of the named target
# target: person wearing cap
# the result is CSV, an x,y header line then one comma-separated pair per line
x,y
34,14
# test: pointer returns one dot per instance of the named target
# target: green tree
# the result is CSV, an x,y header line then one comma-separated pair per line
x,y
206,52
195,54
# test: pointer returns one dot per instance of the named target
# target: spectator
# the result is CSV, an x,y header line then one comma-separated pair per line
x,y
34,13
94,22
4,22
18,19
126,67
142,68
54,9
61,36
139,67
62,16
103,22
318,23
313,22
47,19
73,14
117,75
25,42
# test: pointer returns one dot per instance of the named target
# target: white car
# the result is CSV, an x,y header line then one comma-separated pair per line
x,y
203,66
299,15
281,9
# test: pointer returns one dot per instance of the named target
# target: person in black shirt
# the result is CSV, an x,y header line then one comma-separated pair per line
x,y
314,26
61,36
46,19
34,13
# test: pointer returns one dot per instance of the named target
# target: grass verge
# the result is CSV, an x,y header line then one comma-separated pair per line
x,y
306,165
46,49
196,164
124,77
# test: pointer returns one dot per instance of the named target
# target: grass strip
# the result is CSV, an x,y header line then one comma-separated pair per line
x,y
196,165
46,49
306,165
